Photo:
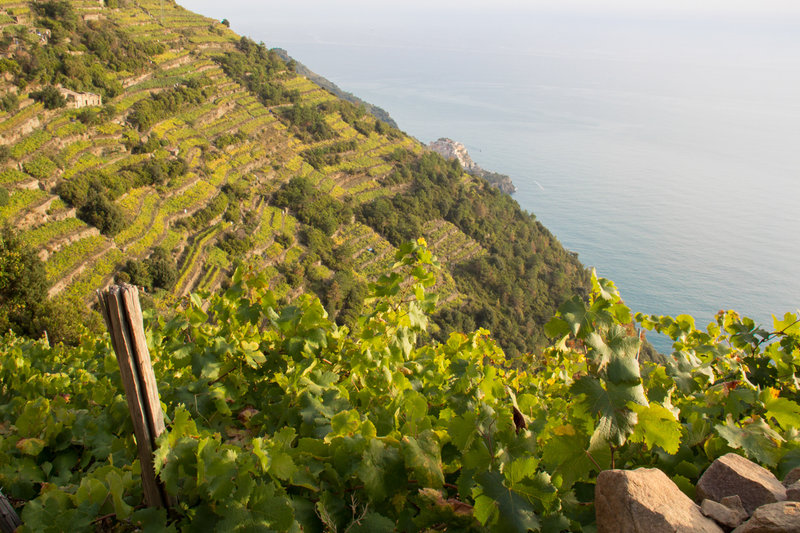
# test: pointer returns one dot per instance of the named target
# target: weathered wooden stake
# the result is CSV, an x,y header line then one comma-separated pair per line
x,y
123,316
9,520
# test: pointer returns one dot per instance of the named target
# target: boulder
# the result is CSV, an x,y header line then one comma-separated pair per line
x,y
792,477
729,517
793,492
781,517
732,474
635,501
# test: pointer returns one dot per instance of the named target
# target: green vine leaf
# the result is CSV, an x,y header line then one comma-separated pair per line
x,y
756,439
656,426
508,510
422,457
785,411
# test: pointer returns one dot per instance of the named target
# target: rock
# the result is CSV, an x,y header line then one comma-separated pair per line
x,y
733,474
723,515
793,492
781,517
735,502
450,149
792,477
635,501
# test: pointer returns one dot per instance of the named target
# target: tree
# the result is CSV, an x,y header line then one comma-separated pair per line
x,y
162,268
22,285
137,273
226,23
50,97
157,271
101,213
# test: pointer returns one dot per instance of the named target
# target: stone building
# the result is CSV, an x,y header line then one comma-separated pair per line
x,y
77,100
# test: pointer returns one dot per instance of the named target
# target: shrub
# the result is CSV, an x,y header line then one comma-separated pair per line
x,y
162,268
50,96
9,102
284,239
101,213
157,271
312,207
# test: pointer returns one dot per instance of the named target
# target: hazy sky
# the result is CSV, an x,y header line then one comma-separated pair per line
x,y
721,7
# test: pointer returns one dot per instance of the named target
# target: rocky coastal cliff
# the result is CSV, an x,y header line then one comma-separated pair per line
x,y
451,149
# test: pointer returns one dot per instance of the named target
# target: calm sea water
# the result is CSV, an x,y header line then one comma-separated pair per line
x,y
664,149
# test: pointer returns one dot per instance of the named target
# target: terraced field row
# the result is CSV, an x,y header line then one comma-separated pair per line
x,y
196,194
85,161
98,276
211,278
20,200
195,114
191,264
449,243
227,123
12,176
87,5
292,255
375,259
129,18
299,83
170,55
29,144
53,231
123,104
68,258
370,253
258,124
140,219
13,122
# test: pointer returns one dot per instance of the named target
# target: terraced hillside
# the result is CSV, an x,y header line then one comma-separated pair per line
x,y
142,142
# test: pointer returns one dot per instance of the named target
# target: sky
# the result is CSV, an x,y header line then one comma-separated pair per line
x,y
720,7
720,28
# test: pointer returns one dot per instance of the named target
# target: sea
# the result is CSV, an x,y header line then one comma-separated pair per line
x,y
663,146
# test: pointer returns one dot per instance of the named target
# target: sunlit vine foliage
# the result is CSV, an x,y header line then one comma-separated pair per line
x,y
279,420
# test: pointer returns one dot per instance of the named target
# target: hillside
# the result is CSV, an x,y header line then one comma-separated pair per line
x,y
142,142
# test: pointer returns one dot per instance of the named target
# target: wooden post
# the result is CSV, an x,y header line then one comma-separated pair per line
x,y
123,316
9,520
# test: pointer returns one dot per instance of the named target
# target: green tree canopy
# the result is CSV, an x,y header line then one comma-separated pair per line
x,y
23,285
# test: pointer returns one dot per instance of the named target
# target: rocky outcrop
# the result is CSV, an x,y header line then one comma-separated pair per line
x,y
732,474
450,149
646,499
735,494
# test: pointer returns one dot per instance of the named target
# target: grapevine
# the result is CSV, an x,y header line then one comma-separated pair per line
x,y
280,420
